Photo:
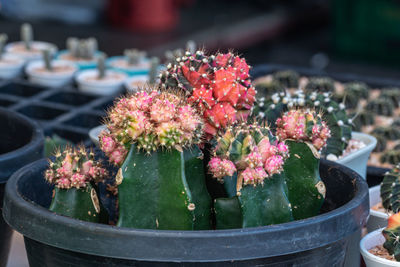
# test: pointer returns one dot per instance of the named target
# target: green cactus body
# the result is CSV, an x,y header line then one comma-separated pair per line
x,y
381,106
259,205
390,190
154,192
82,204
392,243
380,143
306,191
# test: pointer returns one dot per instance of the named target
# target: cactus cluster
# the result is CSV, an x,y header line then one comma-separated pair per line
x,y
82,48
252,151
74,168
151,120
218,85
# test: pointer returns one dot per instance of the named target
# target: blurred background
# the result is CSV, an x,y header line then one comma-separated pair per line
x,y
357,36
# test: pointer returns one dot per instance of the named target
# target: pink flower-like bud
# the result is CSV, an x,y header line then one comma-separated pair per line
x,y
274,164
266,149
188,118
162,110
107,143
254,159
253,176
63,183
221,167
78,180
282,147
118,156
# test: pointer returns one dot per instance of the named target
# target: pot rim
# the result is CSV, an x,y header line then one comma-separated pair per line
x,y
36,141
375,212
367,149
366,254
188,246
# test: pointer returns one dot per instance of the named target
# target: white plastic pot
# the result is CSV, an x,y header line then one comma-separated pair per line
x,y
11,66
358,160
372,240
50,79
376,219
134,83
141,69
100,87
95,132
30,55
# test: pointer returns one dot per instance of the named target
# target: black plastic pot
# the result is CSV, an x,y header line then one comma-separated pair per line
x,y
53,240
21,142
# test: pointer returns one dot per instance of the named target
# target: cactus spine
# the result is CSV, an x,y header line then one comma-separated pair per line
x,y
248,160
152,135
75,174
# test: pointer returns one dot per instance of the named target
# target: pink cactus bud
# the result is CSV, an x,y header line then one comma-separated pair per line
x,y
78,180
282,147
254,159
107,143
220,168
253,175
63,183
274,164
162,110
188,119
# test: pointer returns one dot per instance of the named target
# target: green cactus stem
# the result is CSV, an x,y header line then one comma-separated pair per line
x,y
101,66
392,236
27,35
287,78
82,204
380,143
381,106
47,59
390,190
154,193
3,41
306,190
349,98
362,118
134,56
320,84
153,73
390,156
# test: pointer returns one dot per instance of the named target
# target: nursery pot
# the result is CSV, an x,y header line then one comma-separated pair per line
x,y
54,240
377,219
369,241
21,142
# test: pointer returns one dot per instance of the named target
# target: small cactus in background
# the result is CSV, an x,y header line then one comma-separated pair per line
x,y
320,84
153,72
266,88
358,89
390,133
391,94
152,136
380,143
349,98
75,174
390,192
134,56
82,48
27,35
305,134
3,41
101,66
287,78
381,106
249,160
362,118
391,156
218,85
392,236
47,59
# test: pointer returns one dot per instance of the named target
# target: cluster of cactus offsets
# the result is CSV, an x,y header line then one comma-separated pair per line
x,y
392,236
74,168
150,119
218,85
249,160
75,173
333,113
305,134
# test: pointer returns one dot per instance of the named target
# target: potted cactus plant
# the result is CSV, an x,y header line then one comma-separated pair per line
x,y
10,65
380,248
100,81
48,72
134,83
82,52
27,48
134,62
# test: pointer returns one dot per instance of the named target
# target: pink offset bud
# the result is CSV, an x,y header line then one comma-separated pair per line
x,y
274,164
220,168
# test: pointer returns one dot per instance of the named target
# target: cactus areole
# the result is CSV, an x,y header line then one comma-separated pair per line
x,y
74,174
152,136
218,85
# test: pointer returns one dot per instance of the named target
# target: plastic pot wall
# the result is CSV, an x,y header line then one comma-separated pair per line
x,y
53,240
21,142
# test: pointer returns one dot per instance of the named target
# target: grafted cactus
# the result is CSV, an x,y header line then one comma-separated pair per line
x,y
218,85
305,134
75,174
392,236
152,135
248,159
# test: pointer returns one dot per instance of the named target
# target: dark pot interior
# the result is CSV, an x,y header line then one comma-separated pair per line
x,y
52,239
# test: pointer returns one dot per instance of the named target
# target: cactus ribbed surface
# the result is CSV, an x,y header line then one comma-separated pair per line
x,y
390,190
392,236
